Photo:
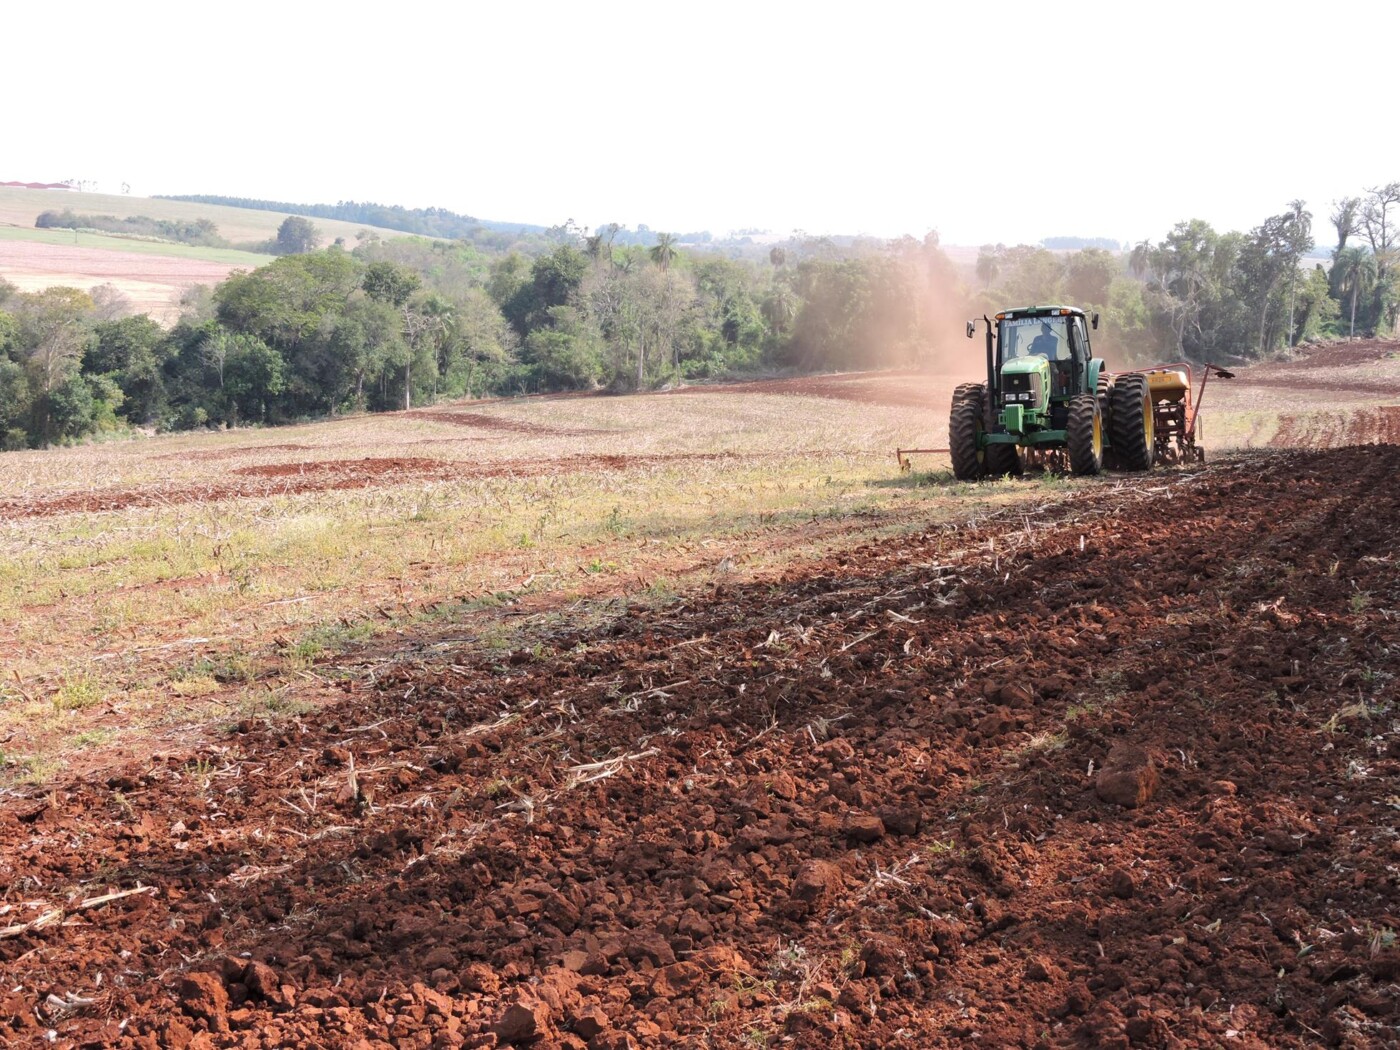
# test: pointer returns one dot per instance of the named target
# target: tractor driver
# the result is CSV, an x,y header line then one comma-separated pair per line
x,y
1046,343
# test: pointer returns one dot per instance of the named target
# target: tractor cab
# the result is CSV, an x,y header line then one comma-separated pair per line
x,y
1042,359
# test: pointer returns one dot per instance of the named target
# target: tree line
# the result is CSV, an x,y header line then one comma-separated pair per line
x,y
440,222
408,321
1200,294
294,236
420,222
198,231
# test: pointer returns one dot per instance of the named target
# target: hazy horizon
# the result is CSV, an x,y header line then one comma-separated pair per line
x,y
1010,126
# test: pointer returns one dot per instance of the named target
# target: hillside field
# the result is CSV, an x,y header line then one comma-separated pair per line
x,y
152,274
685,719
19,208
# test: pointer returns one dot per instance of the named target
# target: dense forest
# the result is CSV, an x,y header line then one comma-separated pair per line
x,y
403,322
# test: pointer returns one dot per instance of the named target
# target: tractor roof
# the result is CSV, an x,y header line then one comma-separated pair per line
x,y
1041,311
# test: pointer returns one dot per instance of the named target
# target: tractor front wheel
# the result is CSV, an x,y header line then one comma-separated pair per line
x,y
1085,435
965,439
1132,435
969,392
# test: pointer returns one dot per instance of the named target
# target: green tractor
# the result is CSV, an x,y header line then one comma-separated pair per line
x,y
1048,401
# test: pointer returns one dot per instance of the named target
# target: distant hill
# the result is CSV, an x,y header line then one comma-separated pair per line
x,y
21,207
438,222
422,222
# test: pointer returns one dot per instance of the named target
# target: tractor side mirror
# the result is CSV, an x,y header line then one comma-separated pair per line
x,y
1094,320
971,329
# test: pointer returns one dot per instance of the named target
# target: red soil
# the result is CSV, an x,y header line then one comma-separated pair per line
x,y
1333,430
1121,775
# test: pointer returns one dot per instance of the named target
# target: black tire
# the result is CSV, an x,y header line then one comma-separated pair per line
x,y
964,434
1085,435
970,392
1001,460
1131,424
1104,392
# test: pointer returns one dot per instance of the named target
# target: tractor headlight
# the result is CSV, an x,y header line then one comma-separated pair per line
x,y
1023,388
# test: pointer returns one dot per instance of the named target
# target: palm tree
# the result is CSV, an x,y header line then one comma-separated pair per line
x,y
780,308
663,252
1299,243
988,267
1356,276
1141,259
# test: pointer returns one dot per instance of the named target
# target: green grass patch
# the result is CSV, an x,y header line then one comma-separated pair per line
x,y
112,242
78,692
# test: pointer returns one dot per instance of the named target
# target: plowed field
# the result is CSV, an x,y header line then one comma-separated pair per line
x,y
1113,765
686,721
153,283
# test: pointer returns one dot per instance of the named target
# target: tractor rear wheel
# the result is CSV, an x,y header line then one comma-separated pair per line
x,y
965,437
1002,460
1085,435
1104,392
1131,430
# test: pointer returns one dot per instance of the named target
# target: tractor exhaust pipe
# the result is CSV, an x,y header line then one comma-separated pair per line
x,y
989,404
991,374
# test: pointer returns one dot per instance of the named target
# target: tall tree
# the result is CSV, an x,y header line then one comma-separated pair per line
x,y
296,236
53,332
1345,214
1299,243
1380,222
1264,261
1354,276
663,252
988,265
388,282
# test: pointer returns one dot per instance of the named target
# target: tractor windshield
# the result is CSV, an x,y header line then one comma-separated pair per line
x,y
1024,336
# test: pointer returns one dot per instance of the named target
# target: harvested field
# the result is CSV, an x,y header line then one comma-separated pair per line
x,y
291,479
910,388
698,727
153,283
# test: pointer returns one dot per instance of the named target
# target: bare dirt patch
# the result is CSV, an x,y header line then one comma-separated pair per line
x,y
1120,773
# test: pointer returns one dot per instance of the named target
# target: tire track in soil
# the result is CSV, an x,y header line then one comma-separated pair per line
x,y
848,804
481,421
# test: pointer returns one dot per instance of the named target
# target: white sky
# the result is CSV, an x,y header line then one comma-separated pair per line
x,y
868,117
